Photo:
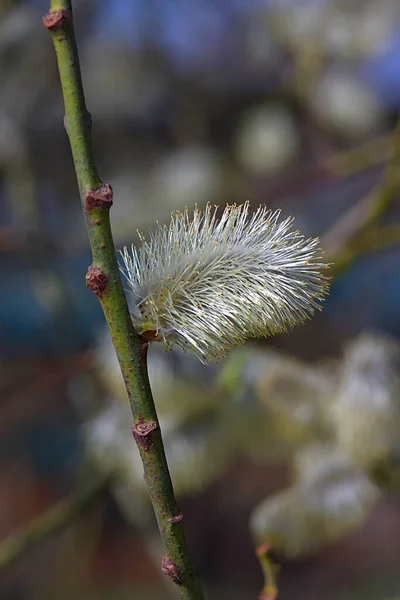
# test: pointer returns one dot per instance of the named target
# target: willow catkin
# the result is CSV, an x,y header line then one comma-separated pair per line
x,y
366,409
209,285
331,499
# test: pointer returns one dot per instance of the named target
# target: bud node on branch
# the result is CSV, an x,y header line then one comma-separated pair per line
x,y
176,519
100,198
56,19
171,570
265,595
142,432
96,280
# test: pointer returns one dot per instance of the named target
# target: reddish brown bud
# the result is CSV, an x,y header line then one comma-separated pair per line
x,y
263,549
96,280
176,519
265,595
149,335
171,570
55,19
100,198
142,433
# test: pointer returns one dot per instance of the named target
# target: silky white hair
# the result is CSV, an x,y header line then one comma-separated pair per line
x,y
210,284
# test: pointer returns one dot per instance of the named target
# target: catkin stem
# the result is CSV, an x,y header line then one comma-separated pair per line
x,y
104,279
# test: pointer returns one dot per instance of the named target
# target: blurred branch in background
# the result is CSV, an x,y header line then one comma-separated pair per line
x,y
358,231
51,522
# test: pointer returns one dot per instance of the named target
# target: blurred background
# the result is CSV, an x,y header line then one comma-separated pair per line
x,y
291,103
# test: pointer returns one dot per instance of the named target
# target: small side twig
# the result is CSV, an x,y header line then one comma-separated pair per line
x,y
270,570
103,279
352,234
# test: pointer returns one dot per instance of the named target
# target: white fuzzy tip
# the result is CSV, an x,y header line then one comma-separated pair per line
x,y
210,284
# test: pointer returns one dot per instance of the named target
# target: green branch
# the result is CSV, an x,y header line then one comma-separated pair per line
x,y
104,279
357,232
270,571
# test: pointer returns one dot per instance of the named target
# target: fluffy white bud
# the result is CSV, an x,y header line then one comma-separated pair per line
x,y
209,285
267,140
331,500
366,411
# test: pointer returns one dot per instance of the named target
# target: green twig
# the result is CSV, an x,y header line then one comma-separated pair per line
x,y
373,239
389,190
356,231
382,238
52,521
104,279
361,157
270,571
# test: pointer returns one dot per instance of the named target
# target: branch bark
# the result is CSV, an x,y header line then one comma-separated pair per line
x,y
103,279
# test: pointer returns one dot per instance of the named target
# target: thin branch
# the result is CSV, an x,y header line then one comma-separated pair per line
x,y
54,520
270,571
383,237
374,239
104,280
360,158
350,236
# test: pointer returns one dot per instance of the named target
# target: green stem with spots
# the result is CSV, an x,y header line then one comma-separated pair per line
x,y
104,279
